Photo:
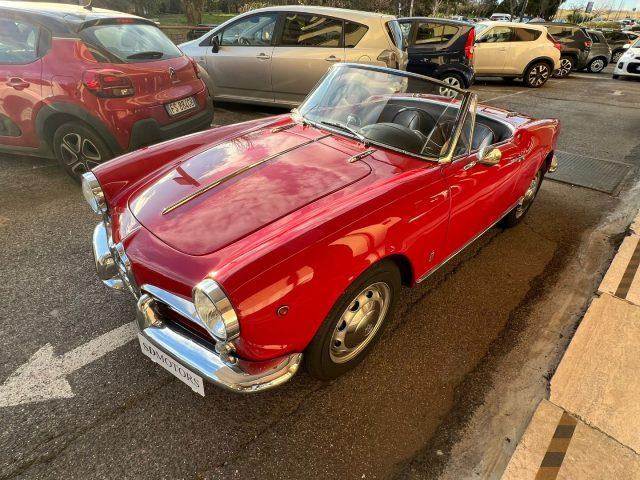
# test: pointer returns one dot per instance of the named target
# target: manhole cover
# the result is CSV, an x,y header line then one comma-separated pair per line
x,y
589,172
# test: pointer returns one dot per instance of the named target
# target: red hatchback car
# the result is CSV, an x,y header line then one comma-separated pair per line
x,y
254,247
84,85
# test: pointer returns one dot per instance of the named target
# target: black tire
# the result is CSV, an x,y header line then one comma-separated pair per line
x,y
567,64
78,148
537,74
518,212
322,357
615,77
597,65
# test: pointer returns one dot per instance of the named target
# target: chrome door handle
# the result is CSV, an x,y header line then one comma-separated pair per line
x,y
470,165
332,58
263,56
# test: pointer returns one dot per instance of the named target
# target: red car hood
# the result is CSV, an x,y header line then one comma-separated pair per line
x,y
236,187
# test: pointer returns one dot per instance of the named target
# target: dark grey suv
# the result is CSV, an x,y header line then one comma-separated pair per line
x,y
617,40
575,45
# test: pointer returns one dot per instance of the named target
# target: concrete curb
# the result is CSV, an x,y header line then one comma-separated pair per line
x,y
590,426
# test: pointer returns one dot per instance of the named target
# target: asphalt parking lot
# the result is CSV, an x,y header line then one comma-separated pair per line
x,y
402,412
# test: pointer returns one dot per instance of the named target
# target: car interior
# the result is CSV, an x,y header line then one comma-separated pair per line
x,y
423,126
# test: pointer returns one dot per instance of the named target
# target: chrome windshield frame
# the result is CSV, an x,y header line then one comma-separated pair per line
x,y
463,110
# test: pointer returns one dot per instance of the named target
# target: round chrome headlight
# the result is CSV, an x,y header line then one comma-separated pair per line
x,y
215,311
93,193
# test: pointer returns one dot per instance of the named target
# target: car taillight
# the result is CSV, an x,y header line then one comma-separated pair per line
x,y
389,57
588,43
108,83
468,46
553,40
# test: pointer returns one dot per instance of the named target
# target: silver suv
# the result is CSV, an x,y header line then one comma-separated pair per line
x,y
276,55
599,54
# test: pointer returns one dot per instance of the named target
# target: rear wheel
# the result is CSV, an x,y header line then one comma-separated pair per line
x,y
78,148
516,215
537,75
596,65
566,65
354,323
454,80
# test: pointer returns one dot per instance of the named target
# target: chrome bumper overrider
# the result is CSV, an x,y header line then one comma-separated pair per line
x,y
553,166
219,365
238,376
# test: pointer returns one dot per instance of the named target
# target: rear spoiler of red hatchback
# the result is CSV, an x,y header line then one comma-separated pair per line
x,y
115,21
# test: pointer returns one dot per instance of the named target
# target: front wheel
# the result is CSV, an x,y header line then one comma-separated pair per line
x,y
516,215
78,149
537,75
566,65
354,323
596,65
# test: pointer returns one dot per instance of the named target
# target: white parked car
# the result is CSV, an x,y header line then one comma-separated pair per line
x,y
629,63
276,55
515,50
500,17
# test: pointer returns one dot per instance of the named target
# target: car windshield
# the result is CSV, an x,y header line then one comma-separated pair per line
x,y
387,107
480,27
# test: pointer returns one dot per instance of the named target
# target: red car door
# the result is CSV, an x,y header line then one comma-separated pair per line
x,y
20,81
479,194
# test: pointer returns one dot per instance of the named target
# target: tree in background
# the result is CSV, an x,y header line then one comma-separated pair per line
x,y
193,10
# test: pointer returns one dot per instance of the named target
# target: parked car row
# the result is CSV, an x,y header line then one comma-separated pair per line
x,y
83,85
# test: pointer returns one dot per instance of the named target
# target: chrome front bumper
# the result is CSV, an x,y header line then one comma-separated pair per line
x,y
218,366
234,374
553,166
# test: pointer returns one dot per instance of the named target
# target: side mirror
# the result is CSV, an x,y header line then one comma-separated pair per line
x,y
215,44
489,158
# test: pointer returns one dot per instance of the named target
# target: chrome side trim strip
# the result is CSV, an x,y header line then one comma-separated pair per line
x,y
431,272
360,156
240,171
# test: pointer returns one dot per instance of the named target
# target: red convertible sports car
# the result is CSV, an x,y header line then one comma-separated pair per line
x,y
255,247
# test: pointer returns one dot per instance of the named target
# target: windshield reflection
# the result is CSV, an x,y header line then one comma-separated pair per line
x,y
412,114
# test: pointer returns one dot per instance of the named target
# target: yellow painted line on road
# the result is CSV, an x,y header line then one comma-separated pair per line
x,y
557,449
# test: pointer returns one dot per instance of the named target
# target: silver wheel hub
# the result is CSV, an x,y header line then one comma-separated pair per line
x,y
78,153
538,75
448,92
529,195
565,67
359,323
597,65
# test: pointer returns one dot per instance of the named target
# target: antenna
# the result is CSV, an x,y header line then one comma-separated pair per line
x,y
86,4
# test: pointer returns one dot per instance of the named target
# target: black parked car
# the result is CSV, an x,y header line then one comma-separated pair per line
x,y
617,40
440,49
575,45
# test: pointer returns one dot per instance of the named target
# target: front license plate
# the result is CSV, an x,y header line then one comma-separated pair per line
x,y
184,105
168,363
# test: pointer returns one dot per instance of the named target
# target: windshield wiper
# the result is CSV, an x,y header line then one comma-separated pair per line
x,y
346,128
145,55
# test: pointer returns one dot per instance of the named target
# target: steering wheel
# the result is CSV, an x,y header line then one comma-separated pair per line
x,y
421,113
244,41
438,137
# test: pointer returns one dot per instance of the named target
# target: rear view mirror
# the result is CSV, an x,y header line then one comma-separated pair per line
x,y
215,44
489,158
